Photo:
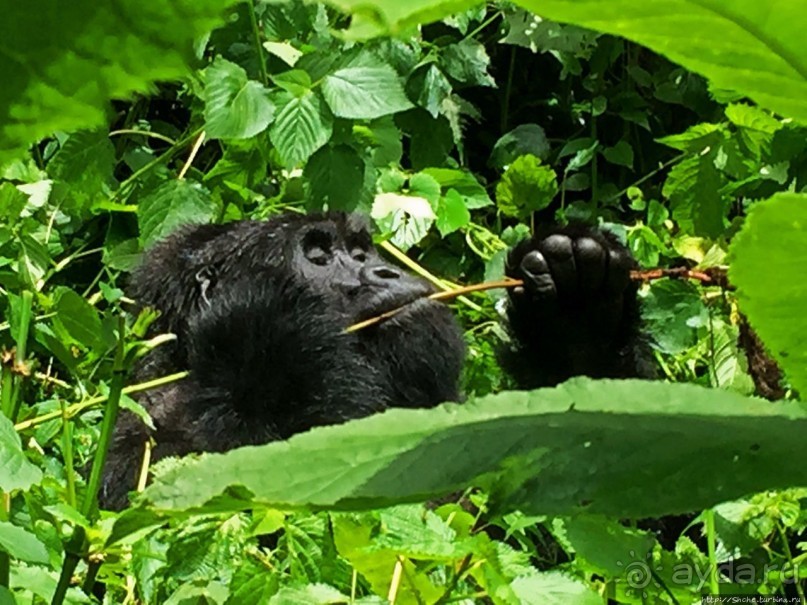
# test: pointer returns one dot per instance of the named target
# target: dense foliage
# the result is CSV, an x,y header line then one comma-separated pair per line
x,y
458,127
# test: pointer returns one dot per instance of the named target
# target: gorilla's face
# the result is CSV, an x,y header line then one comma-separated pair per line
x,y
339,259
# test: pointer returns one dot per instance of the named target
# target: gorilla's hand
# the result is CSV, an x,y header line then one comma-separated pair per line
x,y
577,307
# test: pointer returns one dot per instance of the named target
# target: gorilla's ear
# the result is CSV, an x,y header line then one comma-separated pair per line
x,y
171,276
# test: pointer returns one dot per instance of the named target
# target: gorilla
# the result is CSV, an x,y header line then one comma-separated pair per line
x,y
260,309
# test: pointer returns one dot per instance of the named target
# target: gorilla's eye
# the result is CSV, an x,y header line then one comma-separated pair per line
x,y
317,247
317,255
358,255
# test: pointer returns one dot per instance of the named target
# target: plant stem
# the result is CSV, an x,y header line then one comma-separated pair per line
x,y
77,408
89,505
256,34
711,539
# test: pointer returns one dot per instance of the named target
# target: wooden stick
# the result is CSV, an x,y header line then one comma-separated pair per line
x,y
447,295
649,275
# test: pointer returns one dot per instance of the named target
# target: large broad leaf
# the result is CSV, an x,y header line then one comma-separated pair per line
x,y
755,48
393,16
21,544
769,262
62,62
303,125
235,107
625,448
366,88
15,470
171,205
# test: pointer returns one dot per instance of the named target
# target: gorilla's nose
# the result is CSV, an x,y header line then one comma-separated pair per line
x,y
379,276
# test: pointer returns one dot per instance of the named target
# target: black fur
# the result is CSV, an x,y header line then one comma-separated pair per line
x,y
260,308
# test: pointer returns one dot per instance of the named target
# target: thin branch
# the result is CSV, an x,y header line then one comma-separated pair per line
x,y
649,275
196,146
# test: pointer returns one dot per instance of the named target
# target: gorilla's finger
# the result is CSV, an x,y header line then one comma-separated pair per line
x,y
590,260
619,265
558,251
537,276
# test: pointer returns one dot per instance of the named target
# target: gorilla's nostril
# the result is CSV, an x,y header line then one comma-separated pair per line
x,y
385,273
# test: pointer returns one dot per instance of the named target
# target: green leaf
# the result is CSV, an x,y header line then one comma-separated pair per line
x,y
79,320
465,183
364,89
620,154
673,310
553,588
394,17
755,48
171,205
452,214
312,594
693,188
335,177
522,140
729,364
407,217
767,258
467,62
85,163
235,107
62,64
526,187
595,446
21,544
605,544
303,124
429,87
15,470
34,261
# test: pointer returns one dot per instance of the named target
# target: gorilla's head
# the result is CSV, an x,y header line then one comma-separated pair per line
x,y
260,311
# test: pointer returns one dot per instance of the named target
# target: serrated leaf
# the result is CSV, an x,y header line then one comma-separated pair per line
x,y
467,62
595,446
335,178
235,107
424,185
364,89
79,320
771,246
21,544
452,214
407,217
63,77
464,182
429,87
85,162
303,124
527,186
171,205
553,588
693,188
15,470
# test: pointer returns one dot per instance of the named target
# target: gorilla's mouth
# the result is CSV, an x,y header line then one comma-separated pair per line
x,y
395,304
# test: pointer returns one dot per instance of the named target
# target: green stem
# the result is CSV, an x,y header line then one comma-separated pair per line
x,y
711,540
256,34
89,508
107,425
508,89
794,568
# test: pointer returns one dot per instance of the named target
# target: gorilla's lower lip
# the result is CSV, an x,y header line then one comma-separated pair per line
x,y
397,306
